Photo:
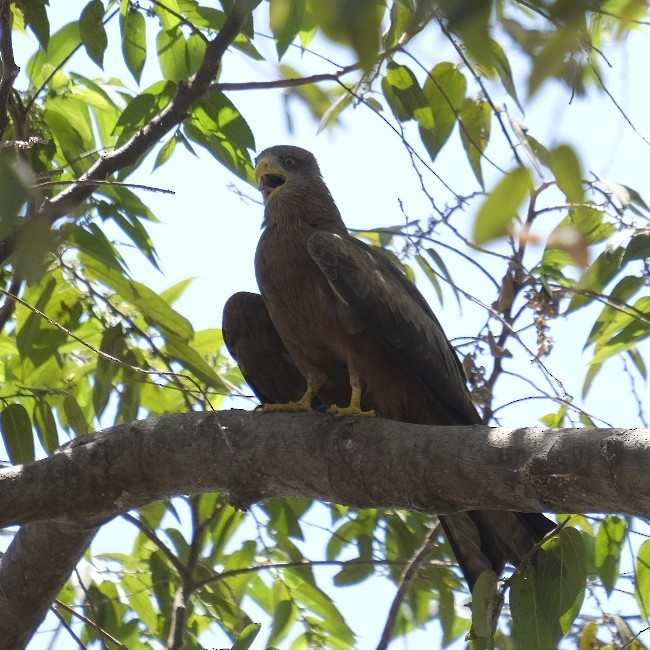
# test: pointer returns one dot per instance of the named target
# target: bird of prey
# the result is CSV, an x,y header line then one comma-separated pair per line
x,y
337,321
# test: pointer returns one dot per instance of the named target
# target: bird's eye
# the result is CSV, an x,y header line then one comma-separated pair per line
x,y
288,162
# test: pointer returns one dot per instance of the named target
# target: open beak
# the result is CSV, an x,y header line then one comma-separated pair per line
x,y
268,178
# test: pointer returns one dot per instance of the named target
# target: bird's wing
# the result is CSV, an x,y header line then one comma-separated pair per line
x,y
257,348
376,298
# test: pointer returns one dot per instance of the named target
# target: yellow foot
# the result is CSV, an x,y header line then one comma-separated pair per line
x,y
289,407
341,411
303,405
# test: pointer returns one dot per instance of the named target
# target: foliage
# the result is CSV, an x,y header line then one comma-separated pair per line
x,y
85,345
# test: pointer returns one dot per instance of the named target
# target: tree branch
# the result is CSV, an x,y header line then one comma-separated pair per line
x,y
362,462
151,133
253,456
9,70
32,573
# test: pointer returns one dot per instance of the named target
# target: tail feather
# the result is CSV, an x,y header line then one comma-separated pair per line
x,y
490,539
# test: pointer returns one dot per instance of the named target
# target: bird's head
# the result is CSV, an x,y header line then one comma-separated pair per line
x,y
286,169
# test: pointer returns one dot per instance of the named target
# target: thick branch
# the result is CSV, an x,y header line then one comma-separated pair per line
x,y
126,155
8,68
355,461
32,572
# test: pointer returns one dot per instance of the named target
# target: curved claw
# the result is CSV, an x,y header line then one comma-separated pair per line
x,y
303,405
341,411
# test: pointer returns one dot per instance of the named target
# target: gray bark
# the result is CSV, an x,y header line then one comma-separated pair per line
x,y
361,462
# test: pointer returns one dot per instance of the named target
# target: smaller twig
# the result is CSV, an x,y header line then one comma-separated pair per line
x,y
286,83
60,605
409,574
150,534
135,186
93,610
68,628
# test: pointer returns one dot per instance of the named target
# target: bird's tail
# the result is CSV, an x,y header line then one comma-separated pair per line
x,y
490,539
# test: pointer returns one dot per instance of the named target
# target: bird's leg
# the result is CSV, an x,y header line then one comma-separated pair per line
x,y
302,405
355,401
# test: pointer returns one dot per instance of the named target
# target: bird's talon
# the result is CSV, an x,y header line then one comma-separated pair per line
x,y
342,411
288,407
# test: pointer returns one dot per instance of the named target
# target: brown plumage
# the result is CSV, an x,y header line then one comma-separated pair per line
x,y
364,338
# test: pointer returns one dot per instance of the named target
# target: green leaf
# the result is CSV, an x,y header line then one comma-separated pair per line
x,y
638,248
439,262
92,32
642,591
405,97
45,426
14,192
74,415
286,18
132,381
137,590
611,318
217,125
401,18
165,152
352,574
496,215
502,66
546,597
142,108
113,345
284,615
357,24
154,309
17,434
485,605
629,336
246,637
475,118
134,39
171,46
187,355
566,168
96,244
597,277
60,46
35,14
444,89
609,543
430,273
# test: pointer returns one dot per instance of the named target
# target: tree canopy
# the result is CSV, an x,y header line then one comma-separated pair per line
x,y
528,238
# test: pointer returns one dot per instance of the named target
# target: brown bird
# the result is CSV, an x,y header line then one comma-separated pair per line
x,y
362,337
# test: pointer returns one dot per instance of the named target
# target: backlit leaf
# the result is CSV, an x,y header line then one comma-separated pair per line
x,y
134,40
475,132
642,591
45,426
74,415
546,596
444,89
246,637
92,32
566,169
609,543
17,434
495,217
286,18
